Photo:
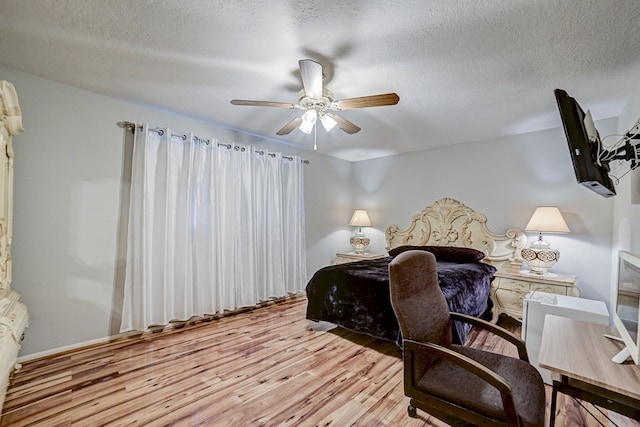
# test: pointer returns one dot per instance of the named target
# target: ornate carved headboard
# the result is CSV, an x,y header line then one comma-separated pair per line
x,y
447,222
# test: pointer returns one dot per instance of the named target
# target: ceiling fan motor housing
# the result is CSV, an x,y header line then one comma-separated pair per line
x,y
319,104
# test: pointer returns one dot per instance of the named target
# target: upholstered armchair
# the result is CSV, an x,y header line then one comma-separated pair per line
x,y
456,384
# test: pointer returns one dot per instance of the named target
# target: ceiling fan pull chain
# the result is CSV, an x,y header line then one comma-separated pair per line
x,y
315,135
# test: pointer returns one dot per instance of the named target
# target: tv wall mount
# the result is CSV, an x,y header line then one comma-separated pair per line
x,y
626,149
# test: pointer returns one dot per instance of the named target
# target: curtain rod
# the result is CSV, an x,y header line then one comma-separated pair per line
x,y
131,126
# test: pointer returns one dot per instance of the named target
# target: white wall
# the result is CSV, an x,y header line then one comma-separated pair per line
x,y
626,220
506,179
68,168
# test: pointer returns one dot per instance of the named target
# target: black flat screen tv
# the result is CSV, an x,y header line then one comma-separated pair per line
x,y
584,151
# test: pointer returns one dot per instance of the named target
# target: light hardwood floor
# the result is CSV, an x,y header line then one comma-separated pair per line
x,y
264,367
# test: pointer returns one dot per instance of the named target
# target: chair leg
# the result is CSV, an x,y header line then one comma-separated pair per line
x,y
413,412
552,410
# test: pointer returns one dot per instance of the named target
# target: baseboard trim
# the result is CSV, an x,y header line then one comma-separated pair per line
x,y
73,347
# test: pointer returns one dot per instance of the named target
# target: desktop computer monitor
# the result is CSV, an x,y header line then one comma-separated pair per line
x,y
626,315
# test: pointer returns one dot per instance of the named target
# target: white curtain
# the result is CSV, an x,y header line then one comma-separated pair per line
x,y
211,227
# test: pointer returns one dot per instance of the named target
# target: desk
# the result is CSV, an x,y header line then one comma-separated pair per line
x,y
579,357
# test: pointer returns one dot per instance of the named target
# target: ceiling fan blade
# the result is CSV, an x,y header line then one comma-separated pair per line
x,y
263,103
286,129
344,124
311,73
368,101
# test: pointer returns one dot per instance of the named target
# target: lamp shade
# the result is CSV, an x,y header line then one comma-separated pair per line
x,y
328,122
547,219
308,120
360,218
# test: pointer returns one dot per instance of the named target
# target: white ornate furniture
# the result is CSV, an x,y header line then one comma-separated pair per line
x,y
13,314
344,257
447,222
511,285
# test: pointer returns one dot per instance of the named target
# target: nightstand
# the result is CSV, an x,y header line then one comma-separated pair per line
x,y
344,257
510,287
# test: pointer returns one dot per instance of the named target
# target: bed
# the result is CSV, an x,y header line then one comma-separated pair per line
x,y
355,295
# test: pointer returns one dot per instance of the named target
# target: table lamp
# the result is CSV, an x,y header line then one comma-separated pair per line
x,y
358,241
539,256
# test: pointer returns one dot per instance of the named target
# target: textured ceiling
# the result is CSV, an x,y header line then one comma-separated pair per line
x,y
465,70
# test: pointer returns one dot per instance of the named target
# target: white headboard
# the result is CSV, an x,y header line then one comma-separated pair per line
x,y
447,222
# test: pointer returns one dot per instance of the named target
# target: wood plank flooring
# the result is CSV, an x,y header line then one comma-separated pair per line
x,y
264,367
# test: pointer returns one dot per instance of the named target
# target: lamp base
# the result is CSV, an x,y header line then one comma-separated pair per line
x,y
540,258
537,274
359,243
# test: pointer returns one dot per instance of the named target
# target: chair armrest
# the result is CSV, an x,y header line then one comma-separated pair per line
x,y
503,333
468,364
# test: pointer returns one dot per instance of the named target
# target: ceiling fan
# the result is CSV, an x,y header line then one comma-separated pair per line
x,y
319,103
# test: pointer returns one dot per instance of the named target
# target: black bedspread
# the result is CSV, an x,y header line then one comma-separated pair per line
x,y
356,295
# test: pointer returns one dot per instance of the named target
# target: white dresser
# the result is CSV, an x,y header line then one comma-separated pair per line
x,y
13,313
511,286
344,257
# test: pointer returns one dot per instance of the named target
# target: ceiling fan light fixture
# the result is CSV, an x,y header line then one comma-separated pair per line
x,y
306,127
308,120
328,122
